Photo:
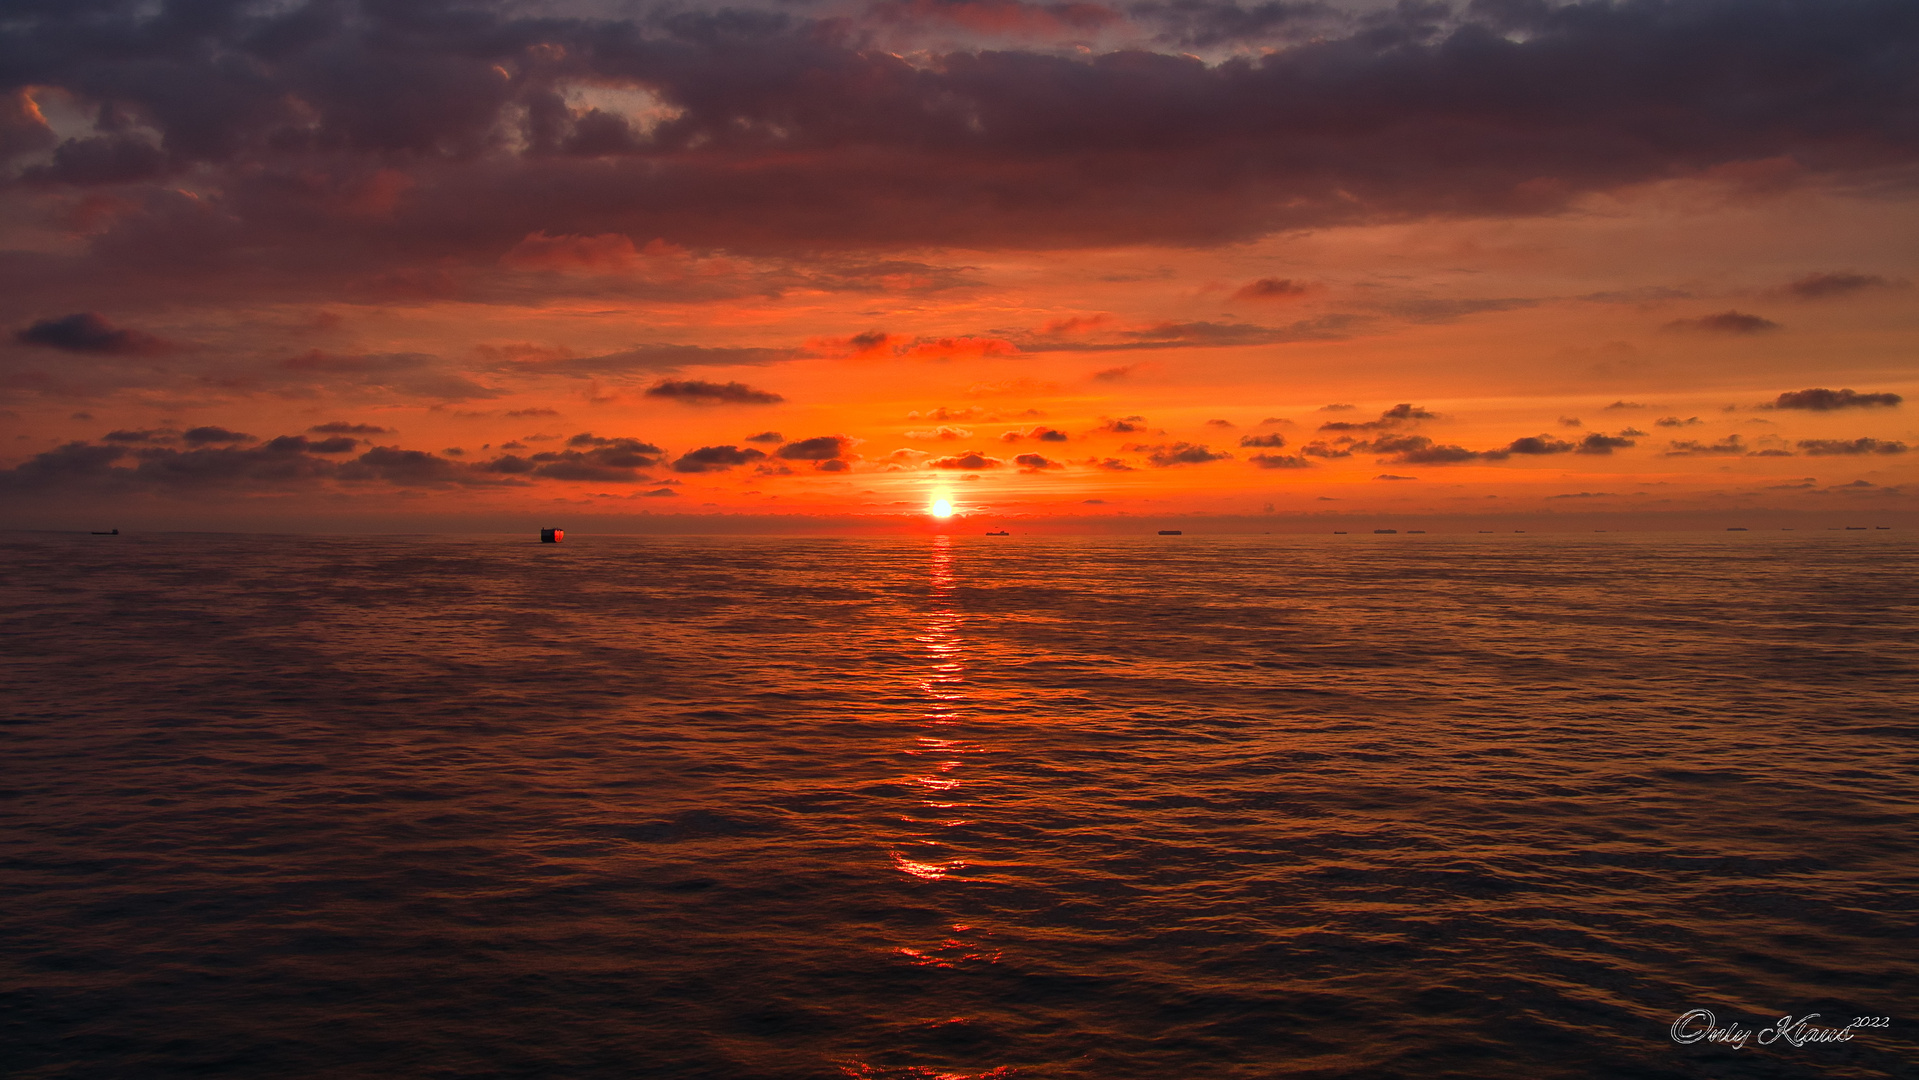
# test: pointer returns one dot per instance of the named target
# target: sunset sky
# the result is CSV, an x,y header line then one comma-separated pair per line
x,y
576,262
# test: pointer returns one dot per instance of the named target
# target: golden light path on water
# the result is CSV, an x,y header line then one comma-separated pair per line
x,y
940,784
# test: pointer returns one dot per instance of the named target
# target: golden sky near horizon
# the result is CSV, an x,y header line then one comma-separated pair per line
x,y
1424,264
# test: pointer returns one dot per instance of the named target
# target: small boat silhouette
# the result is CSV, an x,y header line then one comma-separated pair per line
x,y
1384,532
115,532
1171,532
1002,532
552,536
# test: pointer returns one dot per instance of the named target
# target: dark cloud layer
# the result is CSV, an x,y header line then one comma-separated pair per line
x,y
1167,455
87,332
1725,322
1821,400
820,448
363,139
286,463
1829,447
716,458
700,392
1420,450
586,457
972,460
1391,418
1829,285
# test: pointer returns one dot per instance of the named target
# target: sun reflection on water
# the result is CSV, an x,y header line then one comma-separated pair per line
x,y
940,784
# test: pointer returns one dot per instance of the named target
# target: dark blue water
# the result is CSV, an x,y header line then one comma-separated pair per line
x,y
1503,806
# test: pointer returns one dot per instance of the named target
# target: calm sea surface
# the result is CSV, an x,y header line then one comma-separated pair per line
x,y
1182,807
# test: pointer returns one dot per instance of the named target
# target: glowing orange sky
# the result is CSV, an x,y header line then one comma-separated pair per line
x,y
489,326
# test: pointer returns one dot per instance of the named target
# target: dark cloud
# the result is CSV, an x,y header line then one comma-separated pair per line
x,y
143,436
1270,442
1280,461
1819,400
1408,412
768,437
281,464
648,359
1597,443
1035,463
342,427
1124,425
588,457
1826,286
715,458
86,332
971,461
1211,334
202,436
1391,418
349,139
1110,465
300,444
1439,311
1320,449
1273,289
1830,447
698,392
407,468
1625,405
1674,421
1534,445
1417,450
23,129
1726,322
1203,24
1730,446
77,465
820,448
1180,453
101,159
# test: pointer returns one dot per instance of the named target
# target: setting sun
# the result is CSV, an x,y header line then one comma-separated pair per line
x,y
942,508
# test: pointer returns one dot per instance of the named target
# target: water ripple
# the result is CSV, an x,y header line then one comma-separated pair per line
x,y
955,807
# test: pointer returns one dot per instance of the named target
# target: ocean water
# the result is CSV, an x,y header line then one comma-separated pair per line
x,y
957,807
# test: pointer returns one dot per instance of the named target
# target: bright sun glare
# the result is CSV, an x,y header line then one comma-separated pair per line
x,y
942,508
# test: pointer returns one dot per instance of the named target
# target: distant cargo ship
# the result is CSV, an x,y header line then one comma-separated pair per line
x,y
1171,532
